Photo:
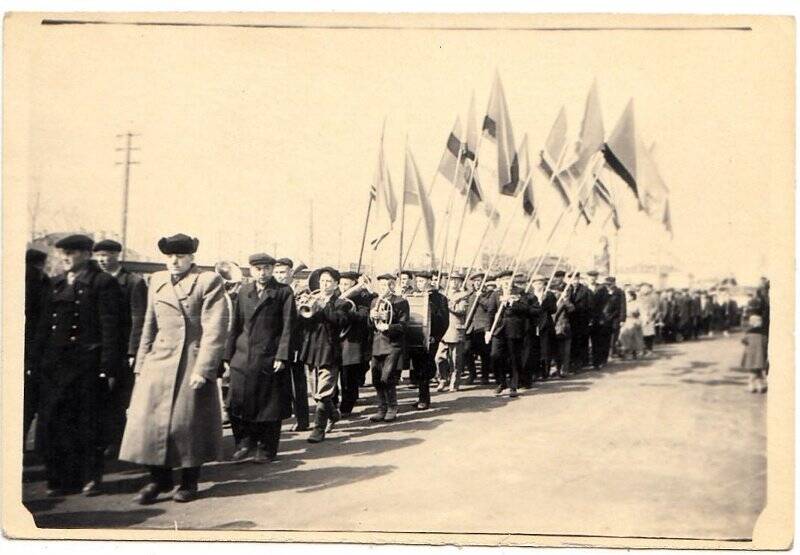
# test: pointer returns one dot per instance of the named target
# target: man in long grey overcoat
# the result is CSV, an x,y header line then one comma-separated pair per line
x,y
174,418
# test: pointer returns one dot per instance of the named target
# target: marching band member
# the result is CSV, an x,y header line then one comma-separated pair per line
x,y
406,283
75,359
258,351
322,349
423,365
283,272
480,324
388,344
507,339
174,418
356,340
450,356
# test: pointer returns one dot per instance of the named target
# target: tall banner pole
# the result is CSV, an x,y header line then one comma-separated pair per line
x,y
419,222
364,235
480,243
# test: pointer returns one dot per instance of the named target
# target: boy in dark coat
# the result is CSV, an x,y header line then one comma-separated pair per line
x,y
259,351
355,342
388,344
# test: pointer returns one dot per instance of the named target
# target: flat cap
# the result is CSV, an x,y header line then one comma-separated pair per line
x,y
538,277
35,256
350,275
479,275
457,275
423,274
107,245
260,258
592,273
178,244
75,243
284,262
559,273
408,273
387,276
503,274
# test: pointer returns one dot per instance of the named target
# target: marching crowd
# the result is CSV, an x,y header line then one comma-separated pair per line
x,y
119,366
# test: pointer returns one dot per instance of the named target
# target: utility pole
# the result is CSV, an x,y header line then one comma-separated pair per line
x,y
127,163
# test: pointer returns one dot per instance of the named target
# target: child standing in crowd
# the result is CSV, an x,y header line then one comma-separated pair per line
x,y
631,336
754,357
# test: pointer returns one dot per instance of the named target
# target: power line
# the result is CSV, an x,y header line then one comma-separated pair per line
x,y
126,187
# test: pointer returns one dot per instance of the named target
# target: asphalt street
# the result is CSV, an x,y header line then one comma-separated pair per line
x,y
667,447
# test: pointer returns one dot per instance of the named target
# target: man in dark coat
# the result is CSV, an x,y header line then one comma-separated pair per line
x,y
540,332
617,312
684,314
132,310
322,348
284,273
601,327
355,341
258,351
388,344
562,331
581,298
77,356
507,338
423,364
37,286
477,328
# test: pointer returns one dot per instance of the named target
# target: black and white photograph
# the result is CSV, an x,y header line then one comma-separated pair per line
x,y
472,279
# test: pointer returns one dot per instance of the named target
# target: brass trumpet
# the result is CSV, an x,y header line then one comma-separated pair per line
x,y
307,303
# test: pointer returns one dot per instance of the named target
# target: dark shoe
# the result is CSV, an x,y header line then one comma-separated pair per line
x,y
262,456
184,495
391,415
149,493
422,405
332,420
241,454
513,393
92,489
300,428
499,389
378,416
470,381
317,435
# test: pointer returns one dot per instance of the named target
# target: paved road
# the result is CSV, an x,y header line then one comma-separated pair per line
x,y
673,447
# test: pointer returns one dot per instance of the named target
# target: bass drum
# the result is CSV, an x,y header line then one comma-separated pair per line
x,y
418,331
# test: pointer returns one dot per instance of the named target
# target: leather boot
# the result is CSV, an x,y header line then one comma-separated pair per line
x,y
380,392
333,415
320,420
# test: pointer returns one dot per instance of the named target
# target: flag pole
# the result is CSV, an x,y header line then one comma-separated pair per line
x,y
523,244
480,243
449,212
364,235
419,221
560,256
458,236
402,222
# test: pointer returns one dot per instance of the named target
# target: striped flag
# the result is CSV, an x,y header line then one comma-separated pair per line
x,y
592,135
385,201
415,195
623,152
497,127
453,153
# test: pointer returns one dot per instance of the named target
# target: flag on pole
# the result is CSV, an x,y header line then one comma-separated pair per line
x,y
552,156
472,131
497,127
453,154
592,131
666,218
602,196
416,196
621,150
652,189
385,201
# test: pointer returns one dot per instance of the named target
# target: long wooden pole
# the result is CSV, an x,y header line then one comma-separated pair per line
x,y
480,243
364,234
419,221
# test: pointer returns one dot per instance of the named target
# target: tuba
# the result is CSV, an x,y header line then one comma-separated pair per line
x,y
384,310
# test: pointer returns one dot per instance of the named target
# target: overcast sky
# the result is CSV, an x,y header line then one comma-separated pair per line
x,y
240,128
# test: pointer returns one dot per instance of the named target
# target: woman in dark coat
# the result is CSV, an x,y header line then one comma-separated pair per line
x,y
258,350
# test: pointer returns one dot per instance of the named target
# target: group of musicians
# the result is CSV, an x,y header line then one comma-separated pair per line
x,y
101,345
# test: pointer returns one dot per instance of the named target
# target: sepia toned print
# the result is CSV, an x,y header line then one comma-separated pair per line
x,y
517,280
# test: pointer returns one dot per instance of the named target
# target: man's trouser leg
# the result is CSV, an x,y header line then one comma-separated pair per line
x,y
299,394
